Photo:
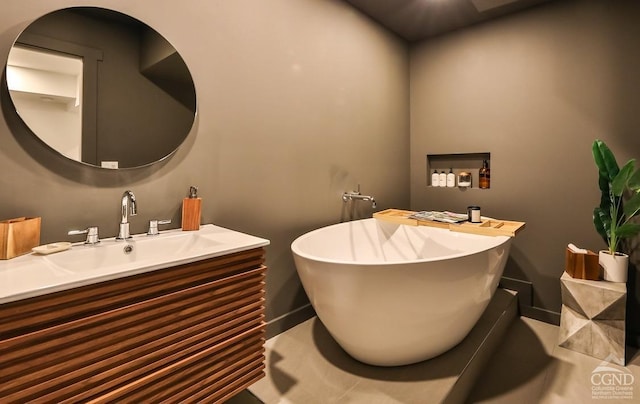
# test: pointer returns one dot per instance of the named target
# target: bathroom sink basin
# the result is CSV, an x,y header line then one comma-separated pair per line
x,y
138,250
141,251
35,274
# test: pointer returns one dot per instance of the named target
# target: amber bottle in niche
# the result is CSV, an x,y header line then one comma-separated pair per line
x,y
484,181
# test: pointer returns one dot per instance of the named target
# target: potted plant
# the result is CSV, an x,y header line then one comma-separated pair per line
x,y
613,218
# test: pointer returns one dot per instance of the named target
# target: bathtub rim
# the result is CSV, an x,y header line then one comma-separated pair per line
x,y
500,241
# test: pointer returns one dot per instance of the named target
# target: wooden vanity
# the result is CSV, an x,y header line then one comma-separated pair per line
x,y
187,333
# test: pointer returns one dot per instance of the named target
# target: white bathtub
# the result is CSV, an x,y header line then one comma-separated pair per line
x,y
394,294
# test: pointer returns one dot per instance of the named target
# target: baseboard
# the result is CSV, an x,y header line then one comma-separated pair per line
x,y
539,314
288,320
525,301
524,289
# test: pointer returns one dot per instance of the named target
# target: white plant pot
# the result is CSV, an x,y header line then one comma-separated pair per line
x,y
615,267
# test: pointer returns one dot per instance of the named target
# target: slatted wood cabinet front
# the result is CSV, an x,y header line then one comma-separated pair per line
x,y
190,333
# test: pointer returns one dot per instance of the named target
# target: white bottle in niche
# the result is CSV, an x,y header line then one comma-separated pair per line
x,y
442,179
451,179
435,179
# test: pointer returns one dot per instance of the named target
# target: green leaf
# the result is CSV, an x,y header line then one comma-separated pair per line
x,y
632,206
602,222
605,160
603,183
634,181
619,182
628,230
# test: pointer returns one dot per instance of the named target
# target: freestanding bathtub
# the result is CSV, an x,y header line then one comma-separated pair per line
x,y
393,294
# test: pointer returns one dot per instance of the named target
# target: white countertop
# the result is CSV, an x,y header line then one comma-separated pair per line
x,y
34,275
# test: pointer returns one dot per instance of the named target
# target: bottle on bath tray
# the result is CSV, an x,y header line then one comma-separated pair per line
x,y
442,179
451,179
435,179
191,210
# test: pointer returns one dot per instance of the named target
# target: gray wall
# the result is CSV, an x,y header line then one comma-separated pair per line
x,y
298,101
533,89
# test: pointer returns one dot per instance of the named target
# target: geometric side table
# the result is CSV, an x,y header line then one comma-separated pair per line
x,y
592,320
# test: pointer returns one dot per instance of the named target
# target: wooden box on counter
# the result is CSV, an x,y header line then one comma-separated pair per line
x,y
18,236
582,266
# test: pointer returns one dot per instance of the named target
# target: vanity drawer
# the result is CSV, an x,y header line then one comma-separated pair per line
x,y
201,328
62,307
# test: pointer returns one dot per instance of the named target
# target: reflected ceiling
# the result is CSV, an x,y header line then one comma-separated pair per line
x,y
414,20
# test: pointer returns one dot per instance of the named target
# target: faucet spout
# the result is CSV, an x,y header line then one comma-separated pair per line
x,y
128,204
128,207
356,195
134,207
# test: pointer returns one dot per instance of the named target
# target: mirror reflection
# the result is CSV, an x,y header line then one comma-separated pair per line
x,y
101,88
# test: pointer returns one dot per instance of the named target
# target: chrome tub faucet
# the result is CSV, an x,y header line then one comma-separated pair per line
x,y
356,195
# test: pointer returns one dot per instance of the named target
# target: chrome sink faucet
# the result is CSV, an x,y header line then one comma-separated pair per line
x,y
128,207
91,232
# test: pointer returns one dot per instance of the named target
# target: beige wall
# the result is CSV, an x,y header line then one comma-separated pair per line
x,y
533,89
298,101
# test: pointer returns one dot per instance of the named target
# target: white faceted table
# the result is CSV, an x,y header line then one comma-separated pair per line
x,y
592,320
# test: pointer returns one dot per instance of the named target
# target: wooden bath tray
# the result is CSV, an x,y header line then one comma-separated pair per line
x,y
489,227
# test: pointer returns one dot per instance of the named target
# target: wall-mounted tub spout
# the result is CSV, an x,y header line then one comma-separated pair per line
x,y
356,195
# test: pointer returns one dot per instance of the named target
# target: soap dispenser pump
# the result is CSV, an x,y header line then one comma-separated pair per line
x,y
191,210
442,179
435,179
451,179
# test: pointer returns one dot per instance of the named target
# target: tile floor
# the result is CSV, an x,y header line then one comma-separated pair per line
x,y
306,365
529,367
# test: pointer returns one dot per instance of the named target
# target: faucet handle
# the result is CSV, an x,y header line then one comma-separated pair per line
x,y
153,226
91,232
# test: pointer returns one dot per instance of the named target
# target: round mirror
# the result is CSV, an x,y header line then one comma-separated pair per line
x,y
101,88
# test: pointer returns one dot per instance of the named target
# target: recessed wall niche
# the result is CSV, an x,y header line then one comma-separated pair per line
x,y
458,162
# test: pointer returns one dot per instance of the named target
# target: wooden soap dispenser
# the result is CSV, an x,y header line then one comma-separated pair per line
x,y
191,210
